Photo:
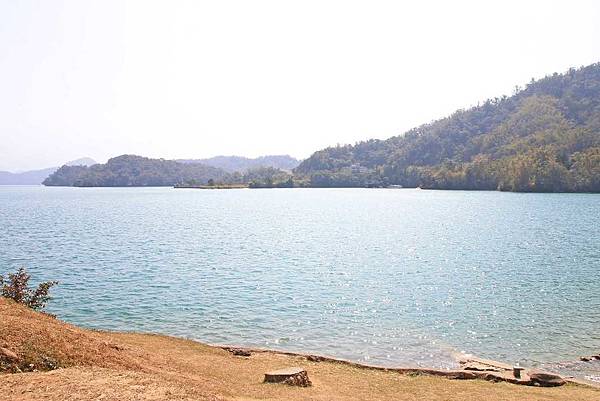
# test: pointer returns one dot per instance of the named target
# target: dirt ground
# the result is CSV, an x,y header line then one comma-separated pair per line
x,y
129,366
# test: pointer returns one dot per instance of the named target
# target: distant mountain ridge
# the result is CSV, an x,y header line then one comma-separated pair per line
x,y
243,164
35,177
84,161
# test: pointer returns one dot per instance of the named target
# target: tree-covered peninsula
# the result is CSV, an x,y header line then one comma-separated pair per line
x,y
138,171
132,171
544,138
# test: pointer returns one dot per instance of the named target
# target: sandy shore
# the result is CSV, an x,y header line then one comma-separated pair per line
x,y
70,363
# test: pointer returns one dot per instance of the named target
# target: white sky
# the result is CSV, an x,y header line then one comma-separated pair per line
x,y
179,79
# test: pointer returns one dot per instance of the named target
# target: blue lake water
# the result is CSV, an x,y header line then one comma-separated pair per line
x,y
388,277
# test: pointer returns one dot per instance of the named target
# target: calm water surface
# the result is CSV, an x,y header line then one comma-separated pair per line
x,y
390,277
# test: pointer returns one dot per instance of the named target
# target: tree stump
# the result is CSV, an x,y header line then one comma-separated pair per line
x,y
290,376
517,371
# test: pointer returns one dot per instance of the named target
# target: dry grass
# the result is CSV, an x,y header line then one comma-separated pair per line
x,y
110,366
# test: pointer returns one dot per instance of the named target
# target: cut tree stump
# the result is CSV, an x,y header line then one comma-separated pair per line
x,y
517,371
290,376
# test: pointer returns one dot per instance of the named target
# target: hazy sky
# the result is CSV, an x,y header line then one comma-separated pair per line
x,y
191,79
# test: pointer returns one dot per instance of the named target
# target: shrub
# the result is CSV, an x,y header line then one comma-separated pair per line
x,y
16,287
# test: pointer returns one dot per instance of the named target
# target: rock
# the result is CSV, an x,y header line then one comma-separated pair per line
x,y
474,365
240,352
49,363
456,375
113,346
315,358
493,377
290,376
586,358
545,379
7,354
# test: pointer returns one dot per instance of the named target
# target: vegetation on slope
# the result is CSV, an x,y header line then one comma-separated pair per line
x,y
16,287
545,138
268,177
130,170
137,171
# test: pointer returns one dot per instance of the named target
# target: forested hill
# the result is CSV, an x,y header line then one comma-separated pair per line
x,y
545,138
130,170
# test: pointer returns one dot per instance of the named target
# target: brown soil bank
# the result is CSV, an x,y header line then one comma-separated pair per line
x,y
78,364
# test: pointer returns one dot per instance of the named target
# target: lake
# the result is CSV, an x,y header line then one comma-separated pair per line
x,y
387,277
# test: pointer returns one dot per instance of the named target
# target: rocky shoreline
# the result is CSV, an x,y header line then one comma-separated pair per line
x,y
590,358
471,368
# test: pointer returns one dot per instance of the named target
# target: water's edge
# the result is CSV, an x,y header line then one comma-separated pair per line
x,y
498,371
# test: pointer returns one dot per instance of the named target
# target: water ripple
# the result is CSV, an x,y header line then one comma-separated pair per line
x,y
396,277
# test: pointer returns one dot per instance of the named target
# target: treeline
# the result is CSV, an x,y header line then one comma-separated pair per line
x,y
131,171
136,171
545,138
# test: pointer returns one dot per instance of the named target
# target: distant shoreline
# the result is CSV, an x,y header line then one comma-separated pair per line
x,y
216,186
245,186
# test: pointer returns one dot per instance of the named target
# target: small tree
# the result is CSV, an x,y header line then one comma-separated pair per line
x,y
16,287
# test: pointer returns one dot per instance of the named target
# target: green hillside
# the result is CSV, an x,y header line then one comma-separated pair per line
x,y
130,170
545,138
